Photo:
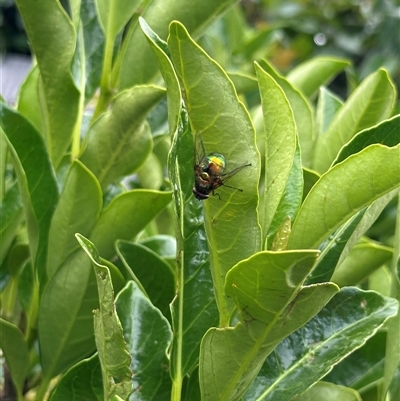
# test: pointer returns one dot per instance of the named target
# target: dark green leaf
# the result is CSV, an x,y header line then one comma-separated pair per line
x,y
11,216
15,349
148,335
82,382
307,355
36,180
215,112
153,274
386,133
267,290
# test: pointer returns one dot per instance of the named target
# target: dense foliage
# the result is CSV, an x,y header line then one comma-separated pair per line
x,y
117,283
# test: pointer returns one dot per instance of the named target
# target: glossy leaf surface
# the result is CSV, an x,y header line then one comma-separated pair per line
x,y
363,366
336,249
344,190
224,125
347,321
386,133
154,275
80,383
194,308
266,289
148,335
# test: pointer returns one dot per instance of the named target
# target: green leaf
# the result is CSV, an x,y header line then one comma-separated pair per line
x,y
93,41
310,178
362,260
111,346
148,335
310,75
336,249
342,191
347,321
152,274
54,55
194,308
15,349
121,219
66,316
81,197
280,145
267,290
162,52
215,112
29,100
329,392
162,245
362,367
328,105
159,14
36,180
81,382
119,141
302,112
291,199
369,104
3,163
386,133
11,216
115,14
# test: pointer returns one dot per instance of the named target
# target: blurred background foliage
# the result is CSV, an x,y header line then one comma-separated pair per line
x,y
287,32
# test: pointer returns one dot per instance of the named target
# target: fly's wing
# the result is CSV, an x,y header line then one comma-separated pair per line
x,y
199,150
225,177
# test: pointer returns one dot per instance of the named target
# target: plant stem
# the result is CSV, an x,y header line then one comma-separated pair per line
x,y
76,137
392,358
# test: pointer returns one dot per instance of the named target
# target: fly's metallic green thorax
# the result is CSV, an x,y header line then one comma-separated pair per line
x,y
209,172
214,163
